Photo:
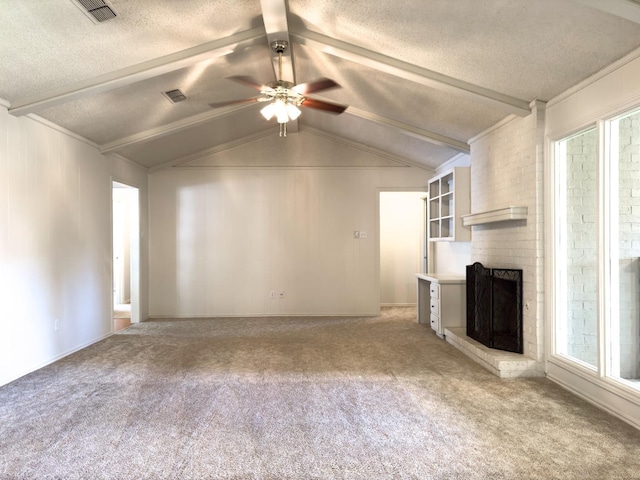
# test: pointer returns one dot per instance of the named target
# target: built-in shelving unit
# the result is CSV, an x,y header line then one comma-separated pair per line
x,y
441,300
449,200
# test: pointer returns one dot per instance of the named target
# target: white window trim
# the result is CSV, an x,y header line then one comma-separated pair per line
x,y
601,375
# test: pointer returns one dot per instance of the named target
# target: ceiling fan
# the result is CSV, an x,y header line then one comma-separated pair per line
x,y
284,97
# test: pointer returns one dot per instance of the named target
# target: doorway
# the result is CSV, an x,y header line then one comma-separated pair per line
x,y
402,246
126,255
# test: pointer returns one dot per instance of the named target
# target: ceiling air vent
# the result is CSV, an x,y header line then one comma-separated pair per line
x,y
96,10
174,96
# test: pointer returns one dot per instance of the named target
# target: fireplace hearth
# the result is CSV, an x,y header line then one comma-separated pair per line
x,y
494,307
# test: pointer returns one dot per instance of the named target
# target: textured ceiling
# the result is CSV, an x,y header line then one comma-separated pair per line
x,y
527,49
49,43
420,77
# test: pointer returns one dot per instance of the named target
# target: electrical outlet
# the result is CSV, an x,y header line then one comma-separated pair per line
x,y
56,324
363,234
272,295
356,234
281,295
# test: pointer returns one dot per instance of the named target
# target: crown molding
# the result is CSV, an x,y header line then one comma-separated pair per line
x,y
629,10
609,69
419,133
213,150
492,128
58,128
403,162
128,161
173,127
180,162
453,161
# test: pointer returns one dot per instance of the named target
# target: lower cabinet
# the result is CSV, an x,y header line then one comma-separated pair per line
x,y
442,301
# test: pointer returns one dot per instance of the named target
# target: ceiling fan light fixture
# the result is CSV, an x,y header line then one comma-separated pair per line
x,y
283,110
293,111
280,109
284,97
269,111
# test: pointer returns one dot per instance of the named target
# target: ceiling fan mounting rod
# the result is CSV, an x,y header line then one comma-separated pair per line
x,y
279,47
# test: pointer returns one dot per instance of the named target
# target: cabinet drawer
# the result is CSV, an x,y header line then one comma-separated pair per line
x,y
435,306
435,322
434,290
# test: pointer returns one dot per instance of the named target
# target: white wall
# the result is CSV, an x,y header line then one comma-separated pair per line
x,y
222,238
451,257
402,248
55,243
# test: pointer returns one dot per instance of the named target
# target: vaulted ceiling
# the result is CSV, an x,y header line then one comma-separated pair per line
x,y
421,77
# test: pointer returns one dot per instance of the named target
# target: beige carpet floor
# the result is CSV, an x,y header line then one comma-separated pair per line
x,y
298,398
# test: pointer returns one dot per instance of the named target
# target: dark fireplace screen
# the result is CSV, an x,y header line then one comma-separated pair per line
x,y
494,307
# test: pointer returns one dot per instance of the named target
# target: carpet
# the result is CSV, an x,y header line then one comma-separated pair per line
x,y
298,398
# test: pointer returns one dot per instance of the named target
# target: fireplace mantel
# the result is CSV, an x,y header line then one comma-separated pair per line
x,y
500,215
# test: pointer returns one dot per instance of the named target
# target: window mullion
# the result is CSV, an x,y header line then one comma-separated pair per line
x,y
604,251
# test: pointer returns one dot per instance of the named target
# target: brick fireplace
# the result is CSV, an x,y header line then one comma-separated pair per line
x,y
507,169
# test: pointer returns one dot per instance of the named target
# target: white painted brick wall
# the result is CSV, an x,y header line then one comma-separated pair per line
x,y
629,244
507,170
581,191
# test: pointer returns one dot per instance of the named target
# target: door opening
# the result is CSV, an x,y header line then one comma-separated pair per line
x,y
126,255
402,246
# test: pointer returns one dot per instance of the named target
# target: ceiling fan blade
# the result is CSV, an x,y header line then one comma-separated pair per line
x,y
315,86
233,102
326,106
245,80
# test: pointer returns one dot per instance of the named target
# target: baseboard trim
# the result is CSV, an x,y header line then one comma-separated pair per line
x,y
265,315
6,381
398,304
593,401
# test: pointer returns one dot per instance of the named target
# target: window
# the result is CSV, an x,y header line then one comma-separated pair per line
x,y
597,249
624,213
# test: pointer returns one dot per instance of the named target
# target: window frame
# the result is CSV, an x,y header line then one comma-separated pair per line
x,y
607,242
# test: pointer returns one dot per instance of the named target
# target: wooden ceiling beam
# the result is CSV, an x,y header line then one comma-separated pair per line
x,y
411,72
276,25
135,73
274,15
